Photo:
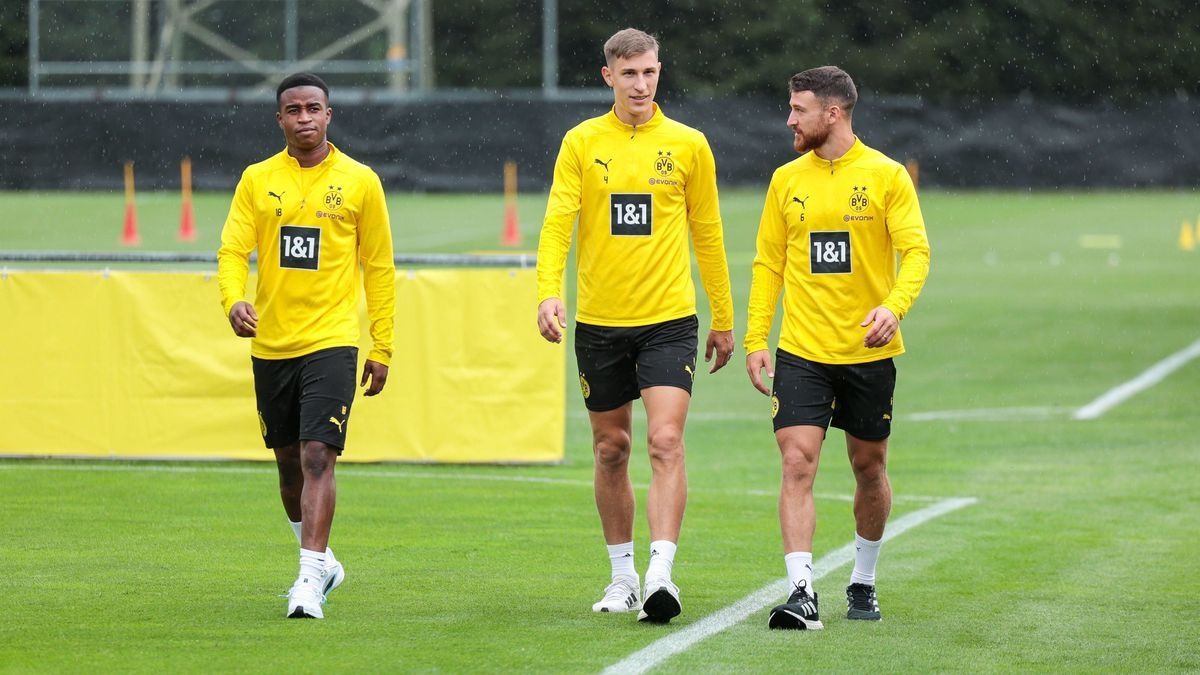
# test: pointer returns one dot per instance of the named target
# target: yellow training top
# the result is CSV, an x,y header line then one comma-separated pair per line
x,y
829,235
638,191
311,227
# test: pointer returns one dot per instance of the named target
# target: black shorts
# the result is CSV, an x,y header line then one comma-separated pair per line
x,y
856,398
617,363
306,398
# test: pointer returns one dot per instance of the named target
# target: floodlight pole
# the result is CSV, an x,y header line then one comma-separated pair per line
x,y
33,46
139,50
549,47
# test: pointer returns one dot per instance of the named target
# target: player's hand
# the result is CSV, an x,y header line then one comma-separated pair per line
x,y
243,319
552,319
755,362
377,373
883,326
722,342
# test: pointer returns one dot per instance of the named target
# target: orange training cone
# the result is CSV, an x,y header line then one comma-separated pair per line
x,y
187,224
129,236
512,228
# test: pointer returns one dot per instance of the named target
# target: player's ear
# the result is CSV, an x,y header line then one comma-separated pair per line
x,y
607,75
279,119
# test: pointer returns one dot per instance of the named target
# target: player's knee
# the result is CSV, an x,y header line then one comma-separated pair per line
x,y
869,466
612,449
317,458
798,465
666,444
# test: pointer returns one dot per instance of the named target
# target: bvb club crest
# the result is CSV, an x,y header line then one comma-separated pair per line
x,y
858,200
262,424
333,198
583,384
774,406
664,165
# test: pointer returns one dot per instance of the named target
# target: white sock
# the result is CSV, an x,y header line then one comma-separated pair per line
x,y
662,560
799,570
621,557
312,566
866,552
296,528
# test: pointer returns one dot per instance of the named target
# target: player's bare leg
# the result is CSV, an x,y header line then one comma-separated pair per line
x,y
872,504
319,495
666,413
800,452
614,491
873,493
317,501
291,479
615,502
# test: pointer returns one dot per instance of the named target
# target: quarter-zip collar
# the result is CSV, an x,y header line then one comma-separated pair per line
x,y
632,129
332,158
834,165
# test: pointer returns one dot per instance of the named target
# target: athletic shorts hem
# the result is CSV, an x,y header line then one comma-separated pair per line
x,y
336,444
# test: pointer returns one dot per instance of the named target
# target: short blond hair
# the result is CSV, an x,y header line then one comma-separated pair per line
x,y
628,43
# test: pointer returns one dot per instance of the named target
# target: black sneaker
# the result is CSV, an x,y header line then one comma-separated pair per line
x,y
798,613
861,603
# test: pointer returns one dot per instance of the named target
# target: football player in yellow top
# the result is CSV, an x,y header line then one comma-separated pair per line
x,y
640,184
315,216
833,223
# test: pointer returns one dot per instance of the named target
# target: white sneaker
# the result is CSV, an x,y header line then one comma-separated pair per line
x,y
335,574
662,601
620,596
304,600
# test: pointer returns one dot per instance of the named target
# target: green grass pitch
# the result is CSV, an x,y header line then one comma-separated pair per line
x,y
1075,557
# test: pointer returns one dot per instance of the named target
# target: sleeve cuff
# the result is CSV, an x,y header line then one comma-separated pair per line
x,y
379,356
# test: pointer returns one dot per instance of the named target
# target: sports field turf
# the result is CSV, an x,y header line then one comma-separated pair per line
x,y
1075,556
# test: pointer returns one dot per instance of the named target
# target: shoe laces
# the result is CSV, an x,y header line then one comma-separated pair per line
x,y
619,589
298,589
861,594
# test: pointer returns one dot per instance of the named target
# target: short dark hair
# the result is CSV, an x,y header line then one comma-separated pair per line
x,y
827,82
301,80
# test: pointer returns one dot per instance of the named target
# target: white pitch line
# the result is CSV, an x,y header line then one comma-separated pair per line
x,y
1150,377
664,648
509,478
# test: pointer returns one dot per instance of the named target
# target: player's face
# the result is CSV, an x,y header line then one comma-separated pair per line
x,y
634,81
304,115
810,121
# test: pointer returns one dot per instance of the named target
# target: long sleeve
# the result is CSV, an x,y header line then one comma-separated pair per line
x,y
564,204
238,238
379,271
708,241
907,229
767,278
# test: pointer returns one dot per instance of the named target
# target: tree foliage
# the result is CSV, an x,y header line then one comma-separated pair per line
x,y
1122,50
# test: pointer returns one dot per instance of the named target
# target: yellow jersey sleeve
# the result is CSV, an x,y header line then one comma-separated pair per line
x,y
561,210
708,239
379,269
238,238
770,259
906,226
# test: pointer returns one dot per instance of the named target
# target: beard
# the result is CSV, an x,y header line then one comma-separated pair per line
x,y
804,142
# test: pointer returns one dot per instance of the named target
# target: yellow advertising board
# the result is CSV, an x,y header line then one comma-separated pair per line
x,y
144,364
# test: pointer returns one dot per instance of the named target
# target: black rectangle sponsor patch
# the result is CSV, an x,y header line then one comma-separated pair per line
x,y
829,252
300,247
631,214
